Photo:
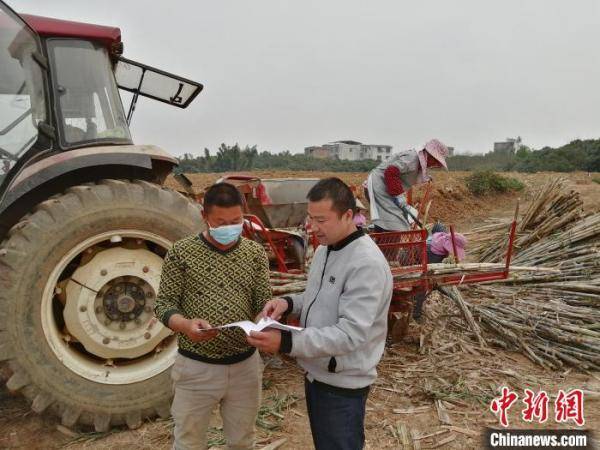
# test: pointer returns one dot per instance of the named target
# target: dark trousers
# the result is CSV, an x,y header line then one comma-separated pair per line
x,y
337,416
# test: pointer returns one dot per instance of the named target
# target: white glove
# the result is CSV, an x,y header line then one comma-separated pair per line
x,y
400,200
413,211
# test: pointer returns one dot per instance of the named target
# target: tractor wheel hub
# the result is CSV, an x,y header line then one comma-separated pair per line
x,y
125,301
110,303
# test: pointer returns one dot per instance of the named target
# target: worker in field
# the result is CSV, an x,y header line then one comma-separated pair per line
x,y
215,278
439,248
344,314
388,183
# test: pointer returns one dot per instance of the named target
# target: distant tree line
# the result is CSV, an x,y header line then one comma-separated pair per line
x,y
237,159
576,155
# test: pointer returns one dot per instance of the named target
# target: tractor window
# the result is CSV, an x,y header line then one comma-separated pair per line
x,y
22,103
156,84
89,105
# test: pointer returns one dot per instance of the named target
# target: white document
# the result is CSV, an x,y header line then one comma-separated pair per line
x,y
262,324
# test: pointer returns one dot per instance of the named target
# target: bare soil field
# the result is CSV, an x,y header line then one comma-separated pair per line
x,y
437,399
452,202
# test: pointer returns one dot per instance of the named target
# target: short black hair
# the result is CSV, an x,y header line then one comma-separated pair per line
x,y
335,190
224,195
439,227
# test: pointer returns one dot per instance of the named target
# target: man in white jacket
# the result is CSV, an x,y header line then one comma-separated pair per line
x,y
344,314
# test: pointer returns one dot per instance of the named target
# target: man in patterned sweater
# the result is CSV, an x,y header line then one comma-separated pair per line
x,y
211,279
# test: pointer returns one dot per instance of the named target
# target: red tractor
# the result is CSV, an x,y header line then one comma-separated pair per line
x,y
84,223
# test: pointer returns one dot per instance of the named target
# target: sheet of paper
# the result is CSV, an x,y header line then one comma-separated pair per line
x,y
245,325
267,322
262,324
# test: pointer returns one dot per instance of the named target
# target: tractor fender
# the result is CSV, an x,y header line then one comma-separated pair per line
x,y
53,174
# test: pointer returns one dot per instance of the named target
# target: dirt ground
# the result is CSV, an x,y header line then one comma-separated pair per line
x,y
451,200
401,401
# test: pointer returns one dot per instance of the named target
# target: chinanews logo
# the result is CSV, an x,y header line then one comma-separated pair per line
x,y
537,407
568,406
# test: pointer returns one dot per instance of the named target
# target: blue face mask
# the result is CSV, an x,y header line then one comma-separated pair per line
x,y
227,234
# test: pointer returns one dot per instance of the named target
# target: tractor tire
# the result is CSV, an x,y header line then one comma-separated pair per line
x,y
31,257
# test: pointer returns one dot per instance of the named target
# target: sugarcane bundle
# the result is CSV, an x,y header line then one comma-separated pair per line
x,y
552,210
287,283
573,253
551,333
451,269
552,317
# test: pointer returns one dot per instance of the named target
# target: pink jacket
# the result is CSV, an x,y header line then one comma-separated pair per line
x,y
441,244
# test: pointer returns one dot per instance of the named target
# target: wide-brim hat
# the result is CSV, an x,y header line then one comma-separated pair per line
x,y
437,150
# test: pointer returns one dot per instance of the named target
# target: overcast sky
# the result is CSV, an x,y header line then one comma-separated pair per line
x,y
287,74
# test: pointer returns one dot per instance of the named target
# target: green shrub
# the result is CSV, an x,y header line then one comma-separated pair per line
x,y
576,155
489,182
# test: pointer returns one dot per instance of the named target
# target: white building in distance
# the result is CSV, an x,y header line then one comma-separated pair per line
x,y
350,150
510,146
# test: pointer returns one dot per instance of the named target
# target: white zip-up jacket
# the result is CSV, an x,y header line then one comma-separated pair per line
x,y
344,314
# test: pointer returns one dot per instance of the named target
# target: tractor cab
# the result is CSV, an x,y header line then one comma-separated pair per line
x,y
23,102
59,89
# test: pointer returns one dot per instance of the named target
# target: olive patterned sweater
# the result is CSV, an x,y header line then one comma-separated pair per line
x,y
221,286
